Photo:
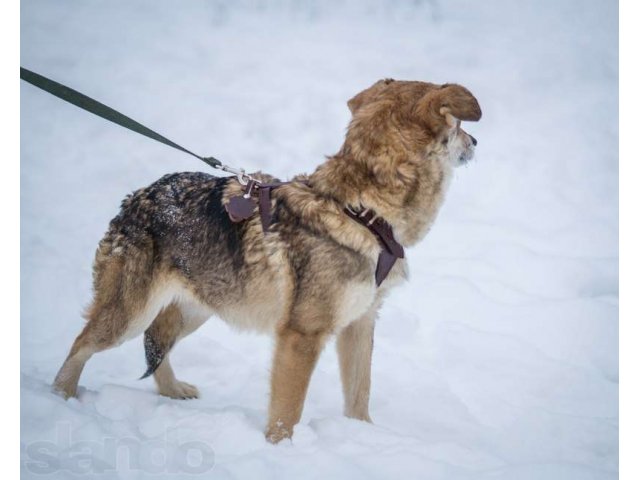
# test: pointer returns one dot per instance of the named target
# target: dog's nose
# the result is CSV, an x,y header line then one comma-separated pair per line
x,y
473,140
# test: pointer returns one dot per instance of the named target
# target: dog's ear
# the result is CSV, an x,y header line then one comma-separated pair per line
x,y
449,103
366,95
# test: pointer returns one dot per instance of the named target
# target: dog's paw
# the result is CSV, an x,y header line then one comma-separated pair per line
x,y
277,432
64,391
363,416
179,390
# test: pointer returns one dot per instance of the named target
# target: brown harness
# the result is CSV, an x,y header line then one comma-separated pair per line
x,y
391,250
242,207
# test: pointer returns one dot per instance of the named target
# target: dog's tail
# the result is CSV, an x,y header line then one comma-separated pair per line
x,y
160,337
154,353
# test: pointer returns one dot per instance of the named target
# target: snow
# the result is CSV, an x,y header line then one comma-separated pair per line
x,y
498,359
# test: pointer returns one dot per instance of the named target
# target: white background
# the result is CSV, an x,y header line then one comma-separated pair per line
x,y
498,359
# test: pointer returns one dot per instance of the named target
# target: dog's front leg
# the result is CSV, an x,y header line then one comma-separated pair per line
x,y
295,356
355,345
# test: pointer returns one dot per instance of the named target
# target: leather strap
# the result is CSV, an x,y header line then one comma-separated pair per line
x,y
264,203
391,249
390,252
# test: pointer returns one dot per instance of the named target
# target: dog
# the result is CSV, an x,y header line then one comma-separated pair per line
x,y
172,257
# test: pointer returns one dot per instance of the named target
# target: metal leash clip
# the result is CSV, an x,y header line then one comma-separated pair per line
x,y
243,177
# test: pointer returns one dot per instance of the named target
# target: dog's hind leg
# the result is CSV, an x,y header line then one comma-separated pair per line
x,y
172,323
121,295
66,381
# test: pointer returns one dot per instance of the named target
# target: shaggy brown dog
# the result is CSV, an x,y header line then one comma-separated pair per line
x,y
173,258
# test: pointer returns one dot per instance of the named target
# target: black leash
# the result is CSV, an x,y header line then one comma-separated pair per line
x,y
90,105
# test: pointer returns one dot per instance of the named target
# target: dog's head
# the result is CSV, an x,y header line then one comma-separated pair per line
x,y
399,152
418,117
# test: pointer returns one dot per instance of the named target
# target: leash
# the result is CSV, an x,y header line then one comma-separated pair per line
x,y
101,110
240,207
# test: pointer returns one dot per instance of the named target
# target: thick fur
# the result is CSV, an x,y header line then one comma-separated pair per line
x,y
172,258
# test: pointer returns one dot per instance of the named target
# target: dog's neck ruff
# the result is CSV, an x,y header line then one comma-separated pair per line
x,y
390,249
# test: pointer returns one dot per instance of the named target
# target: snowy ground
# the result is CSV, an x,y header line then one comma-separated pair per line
x,y
497,360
